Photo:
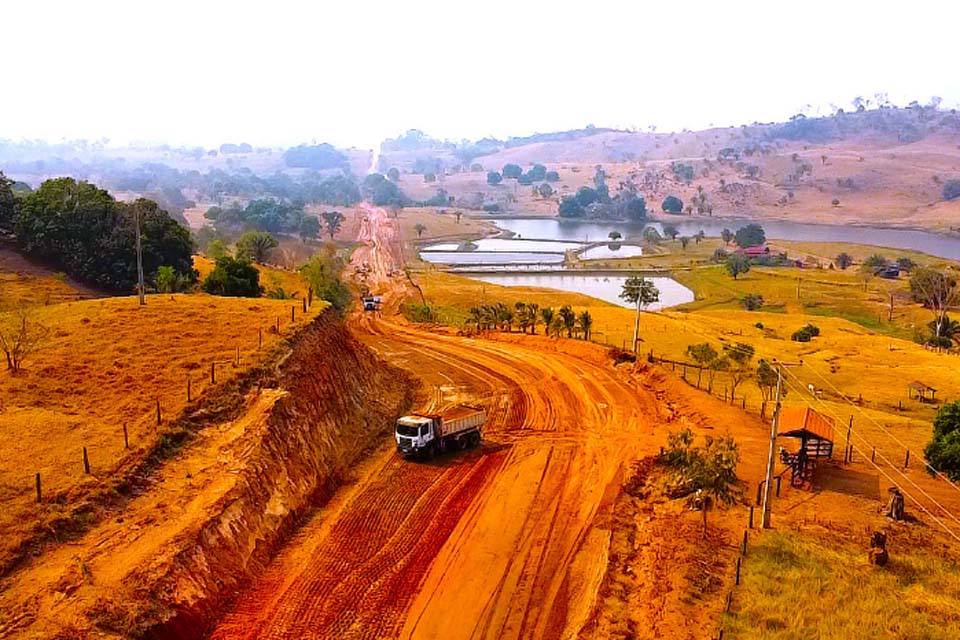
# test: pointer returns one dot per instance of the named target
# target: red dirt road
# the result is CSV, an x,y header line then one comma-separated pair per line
x,y
504,542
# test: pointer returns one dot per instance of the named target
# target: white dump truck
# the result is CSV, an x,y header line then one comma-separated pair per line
x,y
427,434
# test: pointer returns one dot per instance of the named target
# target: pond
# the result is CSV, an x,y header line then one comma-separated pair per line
x,y
612,251
556,229
606,288
500,257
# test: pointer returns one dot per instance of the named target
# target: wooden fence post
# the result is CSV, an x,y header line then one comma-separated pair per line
x,y
126,437
304,305
906,460
213,373
86,461
158,412
778,485
293,314
188,388
751,516
873,456
39,492
260,338
743,551
738,571
278,324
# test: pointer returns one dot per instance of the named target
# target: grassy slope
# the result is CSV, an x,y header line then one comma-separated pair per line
x,y
105,365
814,584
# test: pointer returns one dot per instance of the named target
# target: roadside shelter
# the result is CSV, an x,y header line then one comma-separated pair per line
x,y
920,391
815,432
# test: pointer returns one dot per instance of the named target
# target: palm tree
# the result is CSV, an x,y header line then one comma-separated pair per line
x,y
586,323
475,315
522,315
569,319
547,314
533,309
556,326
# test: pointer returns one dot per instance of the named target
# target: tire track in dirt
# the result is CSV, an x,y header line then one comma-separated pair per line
x,y
480,544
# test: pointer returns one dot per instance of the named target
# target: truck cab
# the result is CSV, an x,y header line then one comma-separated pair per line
x,y
414,434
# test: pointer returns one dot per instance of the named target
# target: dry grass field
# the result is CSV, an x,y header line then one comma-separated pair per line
x,y
105,364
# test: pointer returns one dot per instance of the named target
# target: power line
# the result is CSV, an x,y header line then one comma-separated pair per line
x,y
884,429
894,482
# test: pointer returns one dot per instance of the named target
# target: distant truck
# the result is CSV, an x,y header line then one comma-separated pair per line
x,y
371,303
427,434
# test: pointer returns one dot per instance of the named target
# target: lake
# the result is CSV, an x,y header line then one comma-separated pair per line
x,y
612,251
606,288
575,231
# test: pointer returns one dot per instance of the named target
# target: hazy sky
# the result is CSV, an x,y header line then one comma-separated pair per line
x,y
352,72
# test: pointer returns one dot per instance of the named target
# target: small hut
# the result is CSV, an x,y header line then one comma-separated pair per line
x,y
815,433
919,390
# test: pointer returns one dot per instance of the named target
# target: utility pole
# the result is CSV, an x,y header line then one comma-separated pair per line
x,y
136,217
765,514
636,324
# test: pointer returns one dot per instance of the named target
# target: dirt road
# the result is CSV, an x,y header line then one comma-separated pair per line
x,y
504,542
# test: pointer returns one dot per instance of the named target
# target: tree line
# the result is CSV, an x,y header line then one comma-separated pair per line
x,y
528,316
82,230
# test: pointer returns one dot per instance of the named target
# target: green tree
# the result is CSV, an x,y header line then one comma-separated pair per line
x,y
636,209
752,301
570,208
844,260
547,315
419,228
231,277
587,196
766,379
569,319
672,204
737,264
512,171
217,249
309,228
533,309
8,204
537,172
552,176
704,355
943,451
323,273
614,236
333,221
166,280
937,291
641,293
684,241
393,174
255,246
82,230
585,322
494,178
727,236
751,235
740,356
545,190
671,231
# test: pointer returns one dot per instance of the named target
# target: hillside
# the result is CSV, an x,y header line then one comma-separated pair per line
x,y
105,366
884,167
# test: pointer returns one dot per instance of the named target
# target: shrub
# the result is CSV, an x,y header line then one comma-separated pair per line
x,y
951,189
805,333
494,178
844,260
752,302
570,207
620,356
943,451
552,176
835,202
751,235
419,313
672,204
231,277
512,171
